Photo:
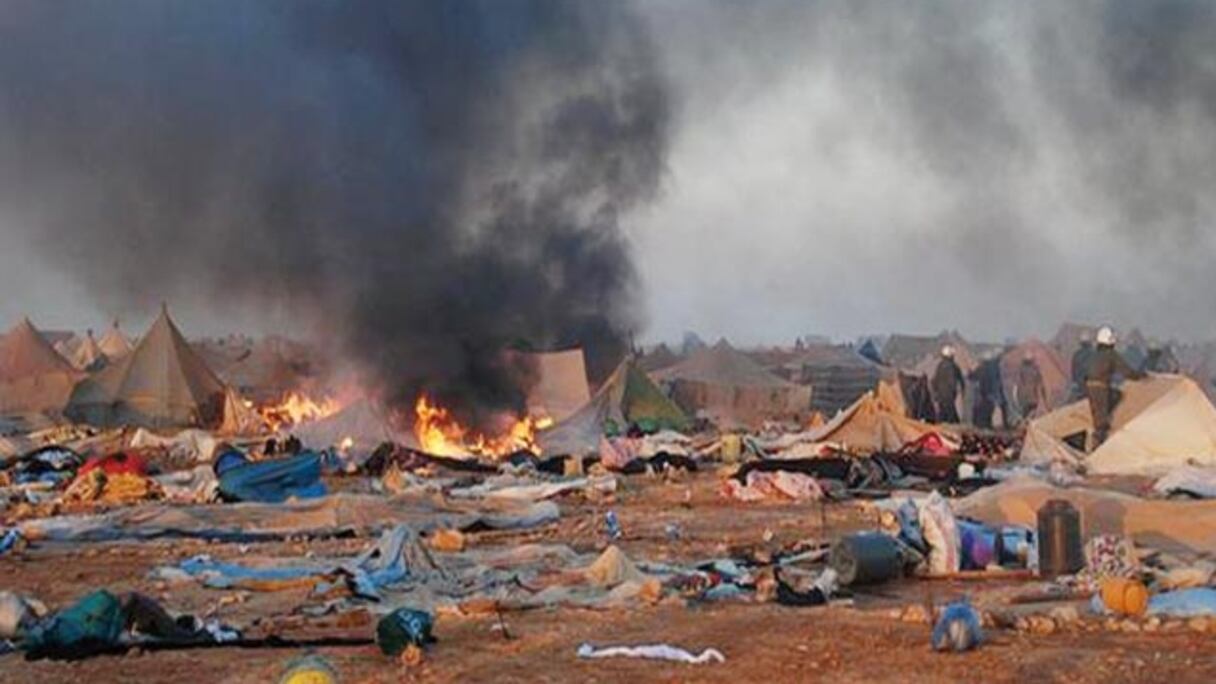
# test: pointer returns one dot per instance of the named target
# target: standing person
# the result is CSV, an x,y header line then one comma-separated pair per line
x,y
1105,365
948,384
990,391
1030,390
1160,359
1081,366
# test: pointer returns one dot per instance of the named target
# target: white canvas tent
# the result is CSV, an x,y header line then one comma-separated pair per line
x,y
1161,422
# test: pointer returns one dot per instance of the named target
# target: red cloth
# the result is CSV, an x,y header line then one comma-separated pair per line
x,y
930,444
115,464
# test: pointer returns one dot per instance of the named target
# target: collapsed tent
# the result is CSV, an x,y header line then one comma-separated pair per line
x,y
361,425
561,383
1161,422
1173,526
161,383
626,398
33,376
725,386
875,422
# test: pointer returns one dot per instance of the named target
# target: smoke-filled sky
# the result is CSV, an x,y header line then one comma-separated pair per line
x,y
775,167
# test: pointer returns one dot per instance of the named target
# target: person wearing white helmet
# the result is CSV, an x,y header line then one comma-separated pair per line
x,y
947,385
1105,366
1080,365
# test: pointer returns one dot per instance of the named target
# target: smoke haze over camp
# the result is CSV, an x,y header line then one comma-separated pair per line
x,y
764,169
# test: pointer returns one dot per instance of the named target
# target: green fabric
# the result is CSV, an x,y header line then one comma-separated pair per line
x,y
95,621
644,404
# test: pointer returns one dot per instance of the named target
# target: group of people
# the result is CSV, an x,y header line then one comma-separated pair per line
x,y
949,384
1096,368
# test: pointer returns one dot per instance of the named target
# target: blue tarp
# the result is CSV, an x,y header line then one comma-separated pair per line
x,y
274,481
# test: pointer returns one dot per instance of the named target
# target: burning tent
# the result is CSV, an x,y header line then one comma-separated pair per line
x,y
268,370
627,397
725,386
161,383
359,426
34,378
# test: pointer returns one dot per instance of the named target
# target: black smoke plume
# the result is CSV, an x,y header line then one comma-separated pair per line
x,y
425,182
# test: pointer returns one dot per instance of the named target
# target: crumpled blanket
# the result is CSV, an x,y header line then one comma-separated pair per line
x,y
778,485
653,651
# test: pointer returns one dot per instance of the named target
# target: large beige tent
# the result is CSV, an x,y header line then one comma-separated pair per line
x,y
365,425
627,397
725,386
34,378
1162,422
560,386
161,383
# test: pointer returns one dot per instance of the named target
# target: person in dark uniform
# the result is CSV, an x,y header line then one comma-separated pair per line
x,y
1080,366
1160,359
1105,365
948,384
989,391
1031,392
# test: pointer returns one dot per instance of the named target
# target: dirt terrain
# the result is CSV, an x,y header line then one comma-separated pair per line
x,y
865,641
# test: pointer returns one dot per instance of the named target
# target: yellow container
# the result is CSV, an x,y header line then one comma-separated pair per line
x,y
1123,596
732,448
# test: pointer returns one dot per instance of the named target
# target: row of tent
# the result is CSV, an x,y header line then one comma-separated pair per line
x,y
159,382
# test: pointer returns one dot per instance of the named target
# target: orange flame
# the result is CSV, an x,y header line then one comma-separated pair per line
x,y
441,434
297,408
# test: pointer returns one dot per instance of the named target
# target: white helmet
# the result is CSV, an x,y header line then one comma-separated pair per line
x,y
1106,336
948,351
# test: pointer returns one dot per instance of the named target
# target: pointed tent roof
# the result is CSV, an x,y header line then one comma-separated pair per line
x,y
1162,422
722,364
88,356
24,353
114,344
627,396
658,358
874,423
239,417
33,376
265,370
162,382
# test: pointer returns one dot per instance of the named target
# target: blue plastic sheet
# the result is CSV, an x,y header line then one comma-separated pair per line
x,y
274,481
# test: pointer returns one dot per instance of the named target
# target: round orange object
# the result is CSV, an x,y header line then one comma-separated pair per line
x,y
1124,596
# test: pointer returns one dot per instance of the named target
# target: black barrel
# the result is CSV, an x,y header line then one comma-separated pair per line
x,y
1060,550
865,558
